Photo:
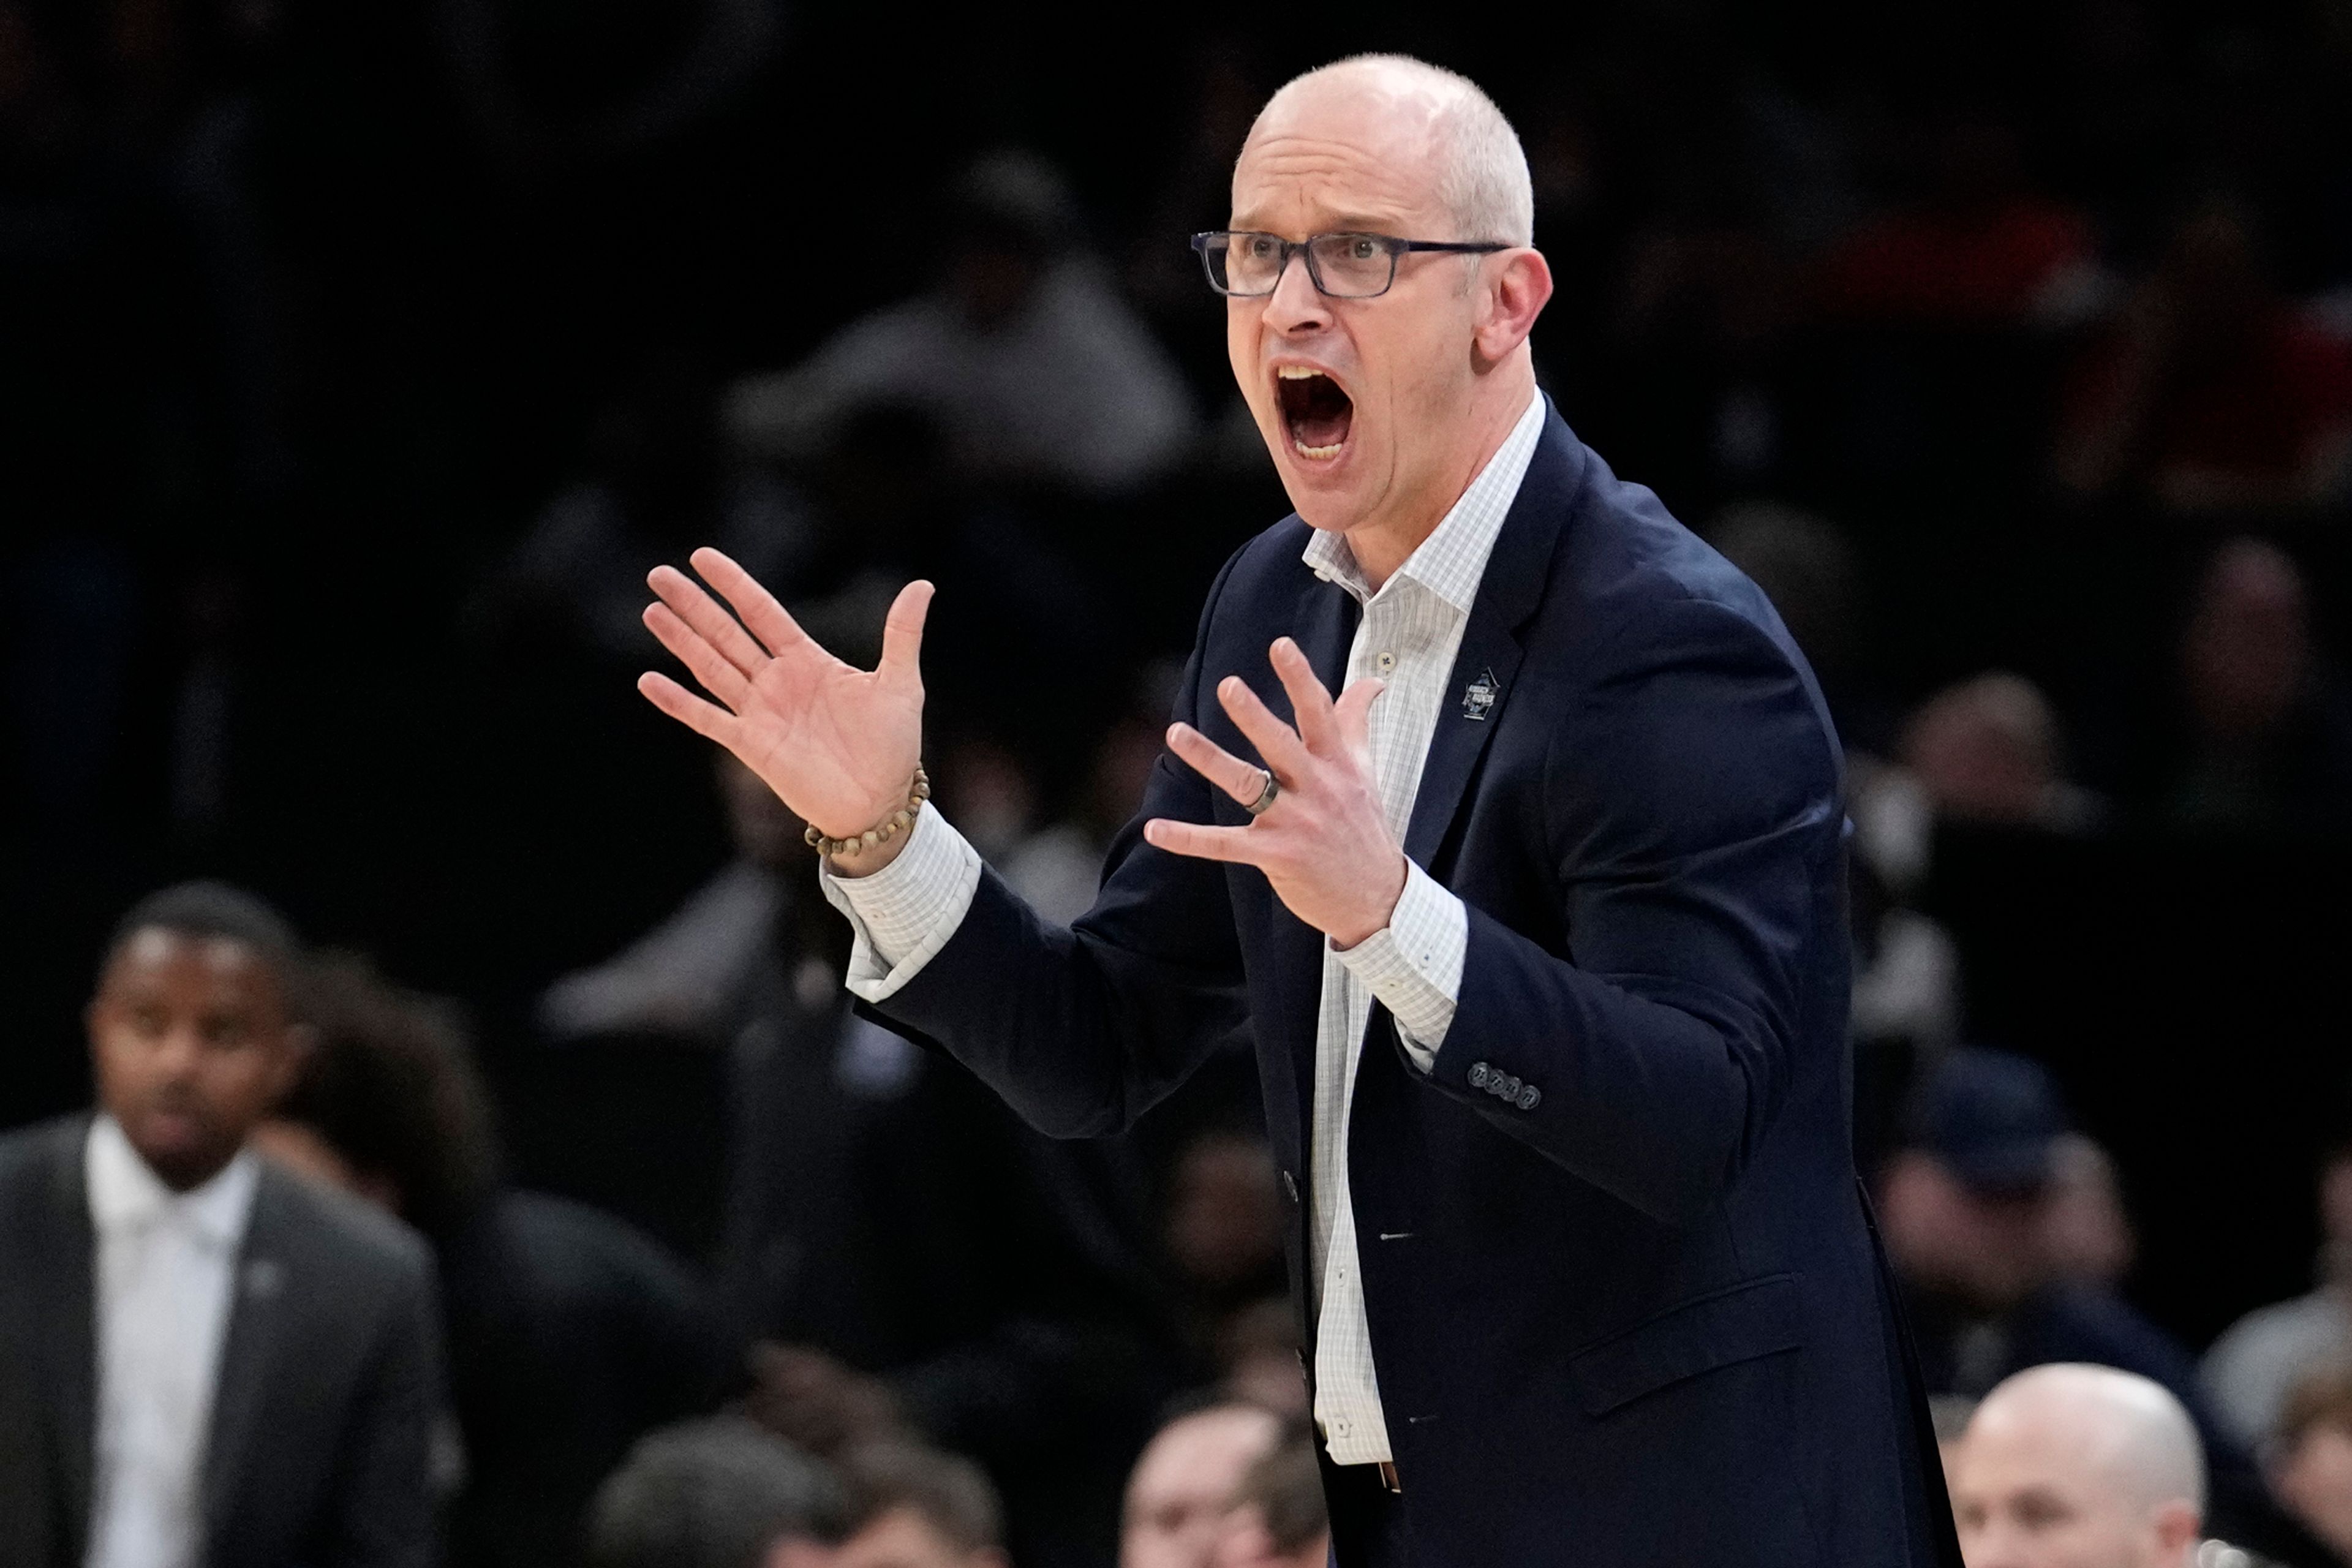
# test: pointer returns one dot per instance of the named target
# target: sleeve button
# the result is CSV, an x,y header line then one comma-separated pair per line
x,y
1529,1097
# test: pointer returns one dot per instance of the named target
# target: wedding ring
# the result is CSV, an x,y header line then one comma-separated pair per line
x,y
1264,797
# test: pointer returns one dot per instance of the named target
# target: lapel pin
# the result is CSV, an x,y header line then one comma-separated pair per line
x,y
1479,696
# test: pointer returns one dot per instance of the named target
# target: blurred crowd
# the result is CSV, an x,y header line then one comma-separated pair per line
x,y
356,362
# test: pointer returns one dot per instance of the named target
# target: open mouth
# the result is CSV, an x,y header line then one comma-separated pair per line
x,y
1314,410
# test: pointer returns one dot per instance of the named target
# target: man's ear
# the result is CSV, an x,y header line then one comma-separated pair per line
x,y
299,1043
2179,1527
1519,287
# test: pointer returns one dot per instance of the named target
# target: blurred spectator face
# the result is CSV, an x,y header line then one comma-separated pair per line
x,y
1382,429
1987,1247
1986,751
192,1046
1184,1484
766,831
1225,1219
991,276
2335,1212
2249,641
2078,1467
1247,1543
2311,1455
903,1538
1258,1349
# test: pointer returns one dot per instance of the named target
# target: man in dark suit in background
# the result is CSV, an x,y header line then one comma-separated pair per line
x,y
203,1361
1538,928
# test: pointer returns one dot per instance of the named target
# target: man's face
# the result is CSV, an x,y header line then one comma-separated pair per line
x,y
2038,1496
1177,1500
192,1046
1362,402
1987,1249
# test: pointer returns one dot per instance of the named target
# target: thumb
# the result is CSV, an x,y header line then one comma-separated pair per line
x,y
1353,711
902,631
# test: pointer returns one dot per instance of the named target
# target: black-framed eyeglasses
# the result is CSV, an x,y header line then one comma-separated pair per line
x,y
1242,264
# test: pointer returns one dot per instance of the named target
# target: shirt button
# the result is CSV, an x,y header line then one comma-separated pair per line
x,y
1339,1426
1386,661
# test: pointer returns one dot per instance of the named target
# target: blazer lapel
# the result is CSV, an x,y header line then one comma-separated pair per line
x,y
1517,572
258,1299
71,1306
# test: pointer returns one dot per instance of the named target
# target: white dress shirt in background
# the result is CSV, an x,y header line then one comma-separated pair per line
x,y
166,1267
1409,635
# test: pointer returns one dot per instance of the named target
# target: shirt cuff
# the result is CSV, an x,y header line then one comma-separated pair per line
x,y
1413,964
904,913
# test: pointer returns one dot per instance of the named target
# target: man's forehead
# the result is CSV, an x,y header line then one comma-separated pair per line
x,y
1343,150
154,949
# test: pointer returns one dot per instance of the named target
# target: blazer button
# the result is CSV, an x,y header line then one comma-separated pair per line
x,y
1479,1074
1290,1186
1530,1096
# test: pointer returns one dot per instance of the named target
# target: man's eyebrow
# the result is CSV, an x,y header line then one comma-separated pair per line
x,y
1345,223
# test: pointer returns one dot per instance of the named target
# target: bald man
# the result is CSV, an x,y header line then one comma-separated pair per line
x,y
1538,925
2070,1466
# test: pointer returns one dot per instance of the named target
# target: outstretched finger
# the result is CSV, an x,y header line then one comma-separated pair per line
x,y
1353,713
710,622
1309,702
1276,741
1243,781
768,620
718,677
705,718
902,631
1201,842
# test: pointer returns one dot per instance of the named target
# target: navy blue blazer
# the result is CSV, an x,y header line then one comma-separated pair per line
x,y
1626,1307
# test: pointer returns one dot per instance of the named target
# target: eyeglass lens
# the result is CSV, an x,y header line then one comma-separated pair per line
x,y
1348,266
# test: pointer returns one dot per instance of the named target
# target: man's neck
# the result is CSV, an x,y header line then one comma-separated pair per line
x,y
1381,544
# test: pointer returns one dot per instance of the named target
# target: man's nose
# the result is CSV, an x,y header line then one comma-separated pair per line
x,y
1297,305
177,1052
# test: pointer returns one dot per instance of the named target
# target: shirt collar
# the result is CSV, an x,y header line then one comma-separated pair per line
x,y
125,1195
1452,559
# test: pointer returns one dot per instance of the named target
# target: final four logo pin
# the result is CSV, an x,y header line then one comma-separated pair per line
x,y
1479,696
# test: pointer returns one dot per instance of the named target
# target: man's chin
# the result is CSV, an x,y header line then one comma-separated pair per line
x,y
183,1150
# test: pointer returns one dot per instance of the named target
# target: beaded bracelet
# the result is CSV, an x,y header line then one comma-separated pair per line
x,y
881,832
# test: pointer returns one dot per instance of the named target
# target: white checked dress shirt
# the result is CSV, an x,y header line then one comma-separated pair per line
x,y
166,1262
1408,635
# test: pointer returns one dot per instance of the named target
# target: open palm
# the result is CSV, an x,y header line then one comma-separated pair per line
x,y
839,744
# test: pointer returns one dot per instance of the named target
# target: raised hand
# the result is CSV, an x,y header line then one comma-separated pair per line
x,y
1325,844
839,744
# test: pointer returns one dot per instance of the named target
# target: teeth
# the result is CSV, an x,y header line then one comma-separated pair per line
x,y
1296,372
1317,453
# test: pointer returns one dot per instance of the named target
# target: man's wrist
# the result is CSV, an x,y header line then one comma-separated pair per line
x,y
1341,943
865,862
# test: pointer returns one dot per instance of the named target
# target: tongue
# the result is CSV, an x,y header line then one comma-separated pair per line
x,y
1324,419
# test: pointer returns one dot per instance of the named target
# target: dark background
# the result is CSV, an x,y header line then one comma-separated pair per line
x,y
306,309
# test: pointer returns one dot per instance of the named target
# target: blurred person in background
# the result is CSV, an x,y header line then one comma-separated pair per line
x,y
1967,1204
1688,1062
2072,1466
912,1507
1222,1230
1021,349
1185,1482
2211,394
203,1359
1277,1518
2260,1359
570,1333
2309,1455
2269,747
1987,751
716,1493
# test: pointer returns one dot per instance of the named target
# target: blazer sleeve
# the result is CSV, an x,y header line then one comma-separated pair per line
x,y
384,1503
1692,827
1083,1029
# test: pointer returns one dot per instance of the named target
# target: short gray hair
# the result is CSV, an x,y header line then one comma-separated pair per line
x,y
1482,170
713,1493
